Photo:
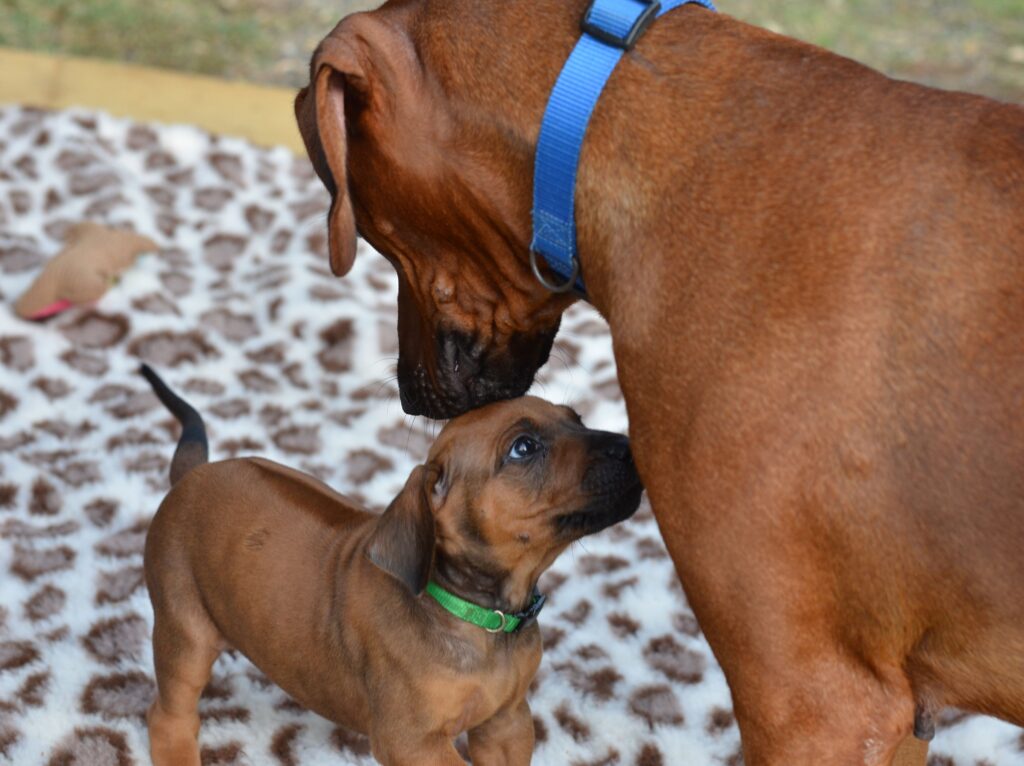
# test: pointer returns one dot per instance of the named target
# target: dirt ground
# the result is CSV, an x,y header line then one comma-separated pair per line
x,y
975,45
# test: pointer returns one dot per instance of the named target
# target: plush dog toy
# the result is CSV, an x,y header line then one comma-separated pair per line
x,y
93,257
412,626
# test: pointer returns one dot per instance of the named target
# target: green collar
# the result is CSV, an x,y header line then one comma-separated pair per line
x,y
491,620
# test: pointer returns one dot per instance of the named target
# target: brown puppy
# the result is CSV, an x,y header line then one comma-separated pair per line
x,y
327,599
814,279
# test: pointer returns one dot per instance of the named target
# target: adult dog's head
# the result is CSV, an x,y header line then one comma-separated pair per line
x,y
419,121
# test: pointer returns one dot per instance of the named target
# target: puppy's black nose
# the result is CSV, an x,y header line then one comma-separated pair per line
x,y
618,449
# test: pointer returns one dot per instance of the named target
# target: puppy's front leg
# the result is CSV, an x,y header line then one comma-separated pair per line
x,y
505,739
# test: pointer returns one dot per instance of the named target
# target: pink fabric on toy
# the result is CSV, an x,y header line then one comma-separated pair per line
x,y
53,308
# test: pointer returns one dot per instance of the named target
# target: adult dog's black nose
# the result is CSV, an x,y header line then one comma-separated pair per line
x,y
617,448
459,361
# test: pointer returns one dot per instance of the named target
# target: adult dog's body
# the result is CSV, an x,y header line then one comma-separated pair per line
x,y
325,597
814,279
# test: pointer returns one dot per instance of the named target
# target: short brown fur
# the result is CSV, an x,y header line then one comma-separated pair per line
x,y
326,598
814,280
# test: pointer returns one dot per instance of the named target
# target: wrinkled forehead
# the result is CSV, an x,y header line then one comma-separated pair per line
x,y
481,431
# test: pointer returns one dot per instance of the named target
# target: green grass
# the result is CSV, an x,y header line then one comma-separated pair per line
x,y
266,41
181,34
975,45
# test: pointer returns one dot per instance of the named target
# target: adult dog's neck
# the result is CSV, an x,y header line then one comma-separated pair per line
x,y
498,113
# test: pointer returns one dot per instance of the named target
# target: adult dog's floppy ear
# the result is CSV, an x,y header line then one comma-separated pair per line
x,y
320,111
402,543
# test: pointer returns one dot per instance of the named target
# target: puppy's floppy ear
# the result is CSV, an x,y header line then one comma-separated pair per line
x,y
441,486
320,111
402,542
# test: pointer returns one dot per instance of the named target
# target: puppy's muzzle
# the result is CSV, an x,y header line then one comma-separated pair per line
x,y
611,486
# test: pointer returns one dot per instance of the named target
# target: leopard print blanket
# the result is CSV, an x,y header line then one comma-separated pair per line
x,y
240,313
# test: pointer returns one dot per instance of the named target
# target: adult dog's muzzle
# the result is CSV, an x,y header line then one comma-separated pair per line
x,y
467,374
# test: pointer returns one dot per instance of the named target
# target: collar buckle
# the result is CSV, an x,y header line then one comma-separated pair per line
x,y
608,22
529,614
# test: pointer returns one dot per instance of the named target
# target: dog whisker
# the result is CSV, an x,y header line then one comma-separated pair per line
x,y
410,424
559,355
382,384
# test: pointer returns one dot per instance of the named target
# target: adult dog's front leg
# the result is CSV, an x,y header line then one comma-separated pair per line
x,y
822,711
803,693
506,739
398,747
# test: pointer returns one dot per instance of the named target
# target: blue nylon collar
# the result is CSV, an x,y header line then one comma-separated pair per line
x,y
610,27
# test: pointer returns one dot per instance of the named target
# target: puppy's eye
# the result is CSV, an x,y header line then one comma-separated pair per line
x,y
523,447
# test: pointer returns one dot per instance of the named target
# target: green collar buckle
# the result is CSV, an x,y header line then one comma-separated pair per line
x,y
491,620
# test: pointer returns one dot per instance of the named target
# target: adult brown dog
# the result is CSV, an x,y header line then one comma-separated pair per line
x,y
324,597
814,279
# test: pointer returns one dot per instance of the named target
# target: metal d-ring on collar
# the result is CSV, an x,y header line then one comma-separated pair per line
x,y
566,286
610,28
483,617
501,626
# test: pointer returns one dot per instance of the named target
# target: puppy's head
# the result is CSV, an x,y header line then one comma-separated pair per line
x,y
506,488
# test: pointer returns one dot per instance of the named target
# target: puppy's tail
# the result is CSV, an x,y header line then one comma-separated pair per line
x,y
192,448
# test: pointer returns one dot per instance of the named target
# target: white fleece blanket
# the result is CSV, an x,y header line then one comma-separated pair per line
x,y
239,312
